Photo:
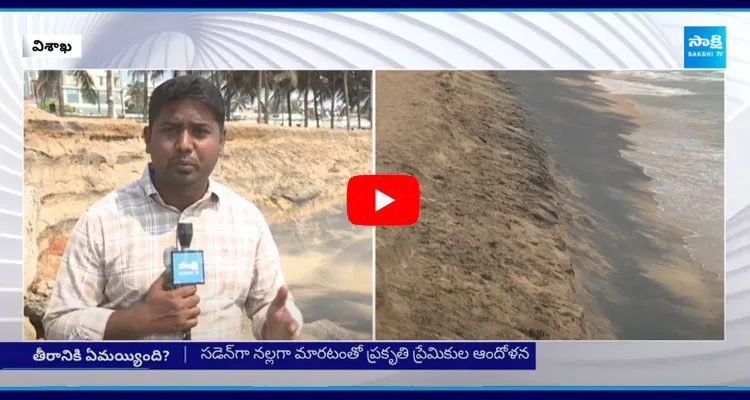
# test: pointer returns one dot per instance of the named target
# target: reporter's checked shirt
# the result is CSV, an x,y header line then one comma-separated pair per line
x,y
121,245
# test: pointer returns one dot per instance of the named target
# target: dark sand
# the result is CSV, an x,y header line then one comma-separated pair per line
x,y
650,287
503,224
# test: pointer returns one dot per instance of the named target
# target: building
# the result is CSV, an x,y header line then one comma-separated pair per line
x,y
74,97
28,83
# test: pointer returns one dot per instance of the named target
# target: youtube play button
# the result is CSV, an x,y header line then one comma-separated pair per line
x,y
382,200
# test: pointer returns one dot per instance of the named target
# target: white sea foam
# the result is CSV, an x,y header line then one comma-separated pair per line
x,y
680,147
623,87
667,76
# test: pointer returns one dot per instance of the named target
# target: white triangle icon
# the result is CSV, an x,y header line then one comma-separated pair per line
x,y
382,200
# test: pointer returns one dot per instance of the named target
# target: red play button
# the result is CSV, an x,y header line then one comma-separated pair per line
x,y
382,200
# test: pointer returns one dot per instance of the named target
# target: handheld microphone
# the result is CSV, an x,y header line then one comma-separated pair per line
x,y
187,265
184,234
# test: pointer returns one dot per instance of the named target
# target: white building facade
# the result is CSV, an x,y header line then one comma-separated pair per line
x,y
74,96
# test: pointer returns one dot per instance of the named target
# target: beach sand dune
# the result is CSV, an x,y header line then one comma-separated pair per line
x,y
488,258
296,176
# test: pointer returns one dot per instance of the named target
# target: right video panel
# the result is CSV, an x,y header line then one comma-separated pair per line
x,y
554,205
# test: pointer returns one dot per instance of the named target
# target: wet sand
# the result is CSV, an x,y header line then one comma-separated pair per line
x,y
645,283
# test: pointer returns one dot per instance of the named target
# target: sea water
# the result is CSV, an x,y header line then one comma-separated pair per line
x,y
680,145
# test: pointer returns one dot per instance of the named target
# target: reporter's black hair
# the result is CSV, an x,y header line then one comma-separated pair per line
x,y
187,87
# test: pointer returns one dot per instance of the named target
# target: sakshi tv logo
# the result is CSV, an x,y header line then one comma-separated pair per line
x,y
188,266
705,47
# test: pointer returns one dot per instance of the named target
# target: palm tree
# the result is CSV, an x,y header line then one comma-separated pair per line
x,y
110,95
316,98
329,86
50,84
261,78
145,75
312,81
286,83
238,88
346,99
135,92
305,81
266,95
359,93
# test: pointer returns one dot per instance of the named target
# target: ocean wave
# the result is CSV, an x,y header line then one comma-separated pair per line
x,y
680,76
622,87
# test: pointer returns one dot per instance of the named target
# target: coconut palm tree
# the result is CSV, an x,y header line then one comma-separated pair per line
x,y
286,84
303,85
311,82
135,92
345,79
50,84
329,90
146,76
261,75
110,95
237,87
359,93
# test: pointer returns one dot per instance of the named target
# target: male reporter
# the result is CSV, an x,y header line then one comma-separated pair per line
x,y
112,283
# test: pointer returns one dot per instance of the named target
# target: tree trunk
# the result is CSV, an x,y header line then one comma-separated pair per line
x,y
289,105
110,95
228,106
346,99
265,97
333,98
34,92
315,105
145,96
61,95
359,112
258,90
307,93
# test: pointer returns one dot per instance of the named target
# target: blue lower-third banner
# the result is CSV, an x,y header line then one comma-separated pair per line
x,y
270,355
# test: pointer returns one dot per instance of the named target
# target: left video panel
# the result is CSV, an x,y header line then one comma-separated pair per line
x,y
201,205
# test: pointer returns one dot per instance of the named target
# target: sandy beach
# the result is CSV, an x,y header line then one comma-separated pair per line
x,y
329,265
645,283
534,225
296,176
488,258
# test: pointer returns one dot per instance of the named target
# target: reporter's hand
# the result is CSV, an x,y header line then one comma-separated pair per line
x,y
170,311
279,322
